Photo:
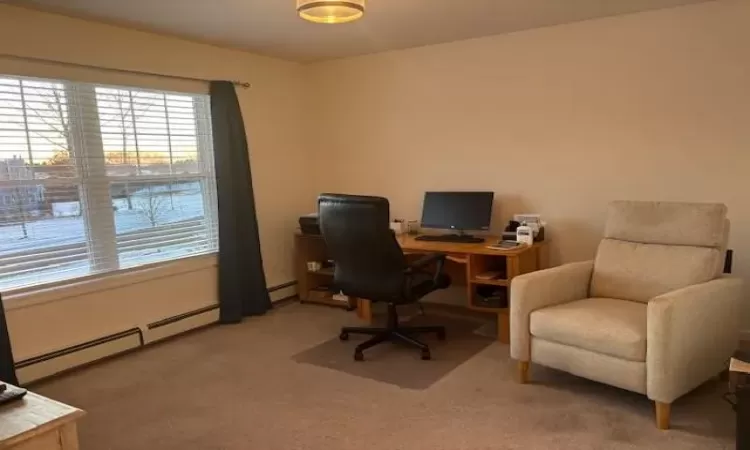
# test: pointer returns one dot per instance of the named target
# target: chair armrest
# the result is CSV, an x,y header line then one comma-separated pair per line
x,y
425,261
540,289
691,333
419,266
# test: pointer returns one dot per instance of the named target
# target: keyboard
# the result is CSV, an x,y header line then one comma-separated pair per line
x,y
450,238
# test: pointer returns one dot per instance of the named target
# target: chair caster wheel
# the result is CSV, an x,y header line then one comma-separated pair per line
x,y
426,355
441,335
359,356
344,336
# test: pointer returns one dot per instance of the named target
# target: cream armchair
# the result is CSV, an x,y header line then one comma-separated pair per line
x,y
651,314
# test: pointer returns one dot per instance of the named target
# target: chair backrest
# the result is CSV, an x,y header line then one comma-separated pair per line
x,y
650,248
369,262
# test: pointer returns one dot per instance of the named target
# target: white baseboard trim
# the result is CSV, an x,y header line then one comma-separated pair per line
x,y
53,363
45,366
181,324
283,292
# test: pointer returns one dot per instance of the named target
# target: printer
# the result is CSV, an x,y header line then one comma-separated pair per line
x,y
308,224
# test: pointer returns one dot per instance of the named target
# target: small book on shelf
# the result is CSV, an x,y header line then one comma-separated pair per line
x,y
491,275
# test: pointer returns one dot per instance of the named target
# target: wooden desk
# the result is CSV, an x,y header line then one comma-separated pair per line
x,y
465,262
38,423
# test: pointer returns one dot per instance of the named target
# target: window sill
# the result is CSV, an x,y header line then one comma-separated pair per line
x,y
27,297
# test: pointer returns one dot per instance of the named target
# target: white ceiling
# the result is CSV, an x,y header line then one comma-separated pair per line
x,y
271,27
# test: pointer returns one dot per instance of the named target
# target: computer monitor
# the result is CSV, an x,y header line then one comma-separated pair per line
x,y
457,210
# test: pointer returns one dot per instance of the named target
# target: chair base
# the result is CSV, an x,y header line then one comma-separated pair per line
x,y
393,332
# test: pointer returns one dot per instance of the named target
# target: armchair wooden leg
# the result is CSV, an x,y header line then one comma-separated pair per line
x,y
662,415
523,372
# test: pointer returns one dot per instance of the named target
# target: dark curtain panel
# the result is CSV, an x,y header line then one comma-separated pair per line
x,y
7,372
242,283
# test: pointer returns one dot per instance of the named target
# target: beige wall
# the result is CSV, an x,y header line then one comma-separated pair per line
x,y
557,120
273,115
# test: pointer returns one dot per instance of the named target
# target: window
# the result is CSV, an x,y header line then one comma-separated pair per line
x,y
99,178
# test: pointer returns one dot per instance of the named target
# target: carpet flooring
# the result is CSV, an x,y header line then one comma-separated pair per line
x,y
395,364
239,387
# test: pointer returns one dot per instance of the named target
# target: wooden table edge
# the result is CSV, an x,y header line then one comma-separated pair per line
x,y
53,424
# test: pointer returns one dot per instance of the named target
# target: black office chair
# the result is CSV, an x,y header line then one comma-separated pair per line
x,y
370,264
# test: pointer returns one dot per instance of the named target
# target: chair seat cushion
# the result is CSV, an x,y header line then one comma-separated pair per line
x,y
603,325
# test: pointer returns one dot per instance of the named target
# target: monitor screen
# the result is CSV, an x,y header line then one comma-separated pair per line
x,y
457,210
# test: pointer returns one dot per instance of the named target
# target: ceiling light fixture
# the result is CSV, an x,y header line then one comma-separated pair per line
x,y
331,11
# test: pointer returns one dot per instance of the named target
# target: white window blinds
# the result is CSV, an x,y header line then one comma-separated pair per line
x,y
99,178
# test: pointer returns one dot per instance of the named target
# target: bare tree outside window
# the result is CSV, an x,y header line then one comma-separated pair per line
x,y
48,143
19,208
118,112
152,205
124,109
54,114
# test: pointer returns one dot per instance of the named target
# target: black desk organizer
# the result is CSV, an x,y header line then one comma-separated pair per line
x,y
10,393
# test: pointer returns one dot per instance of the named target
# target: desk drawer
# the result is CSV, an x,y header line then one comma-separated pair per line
x,y
45,441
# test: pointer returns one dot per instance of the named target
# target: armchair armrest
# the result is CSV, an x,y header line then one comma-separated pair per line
x,y
540,289
691,332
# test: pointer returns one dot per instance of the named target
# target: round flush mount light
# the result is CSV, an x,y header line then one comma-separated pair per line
x,y
331,11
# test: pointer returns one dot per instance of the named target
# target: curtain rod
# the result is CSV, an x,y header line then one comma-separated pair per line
x,y
242,84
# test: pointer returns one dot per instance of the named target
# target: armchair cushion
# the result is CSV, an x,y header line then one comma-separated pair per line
x,y
602,325
640,272
541,289
667,223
